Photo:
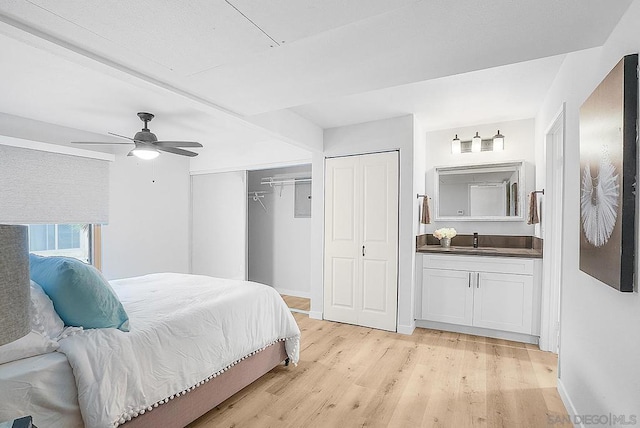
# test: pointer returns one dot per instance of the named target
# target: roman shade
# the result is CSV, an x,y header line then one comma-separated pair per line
x,y
44,187
14,283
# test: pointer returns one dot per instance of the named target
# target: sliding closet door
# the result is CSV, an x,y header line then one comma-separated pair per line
x,y
219,225
361,240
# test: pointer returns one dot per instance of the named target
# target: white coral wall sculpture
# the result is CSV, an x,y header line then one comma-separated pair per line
x,y
599,202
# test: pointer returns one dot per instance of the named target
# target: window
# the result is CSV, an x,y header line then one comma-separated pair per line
x,y
71,240
69,236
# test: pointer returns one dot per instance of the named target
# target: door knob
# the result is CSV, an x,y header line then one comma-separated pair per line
x,y
363,250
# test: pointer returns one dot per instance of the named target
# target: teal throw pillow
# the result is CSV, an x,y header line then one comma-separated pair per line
x,y
80,294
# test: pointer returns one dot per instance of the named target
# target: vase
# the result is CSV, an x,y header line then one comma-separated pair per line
x,y
445,242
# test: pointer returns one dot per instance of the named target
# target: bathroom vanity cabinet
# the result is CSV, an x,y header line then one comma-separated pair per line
x,y
484,295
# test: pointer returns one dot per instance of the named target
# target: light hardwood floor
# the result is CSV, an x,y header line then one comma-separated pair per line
x,y
297,302
351,376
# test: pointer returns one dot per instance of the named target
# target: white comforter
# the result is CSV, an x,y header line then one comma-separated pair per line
x,y
184,330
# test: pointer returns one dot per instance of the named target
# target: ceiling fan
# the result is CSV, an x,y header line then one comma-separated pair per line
x,y
147,145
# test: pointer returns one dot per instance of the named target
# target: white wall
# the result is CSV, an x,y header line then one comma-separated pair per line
x,y
148,228
518,146
600,327
382,135
279,243
219,225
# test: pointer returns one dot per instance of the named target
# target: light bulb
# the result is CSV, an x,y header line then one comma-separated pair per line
x,y
476,143
498,142
456,147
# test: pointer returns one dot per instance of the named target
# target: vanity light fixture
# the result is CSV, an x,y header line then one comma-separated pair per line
x,y
498,142
456,146
477,144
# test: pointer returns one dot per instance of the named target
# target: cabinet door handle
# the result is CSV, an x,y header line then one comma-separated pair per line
x,y
469,279
478,280
363,251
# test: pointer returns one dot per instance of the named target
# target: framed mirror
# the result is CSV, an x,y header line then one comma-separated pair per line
x,y
489,192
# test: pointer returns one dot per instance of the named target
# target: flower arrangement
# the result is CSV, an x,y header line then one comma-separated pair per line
x,y
445,232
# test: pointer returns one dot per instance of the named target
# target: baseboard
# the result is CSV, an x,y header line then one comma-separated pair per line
x,y
568,404
477,331
293,293
316,315
407,329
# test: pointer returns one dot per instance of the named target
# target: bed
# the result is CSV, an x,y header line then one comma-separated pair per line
x,y
193,341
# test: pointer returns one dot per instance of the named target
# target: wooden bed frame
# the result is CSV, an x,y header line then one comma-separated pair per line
x,y
185,409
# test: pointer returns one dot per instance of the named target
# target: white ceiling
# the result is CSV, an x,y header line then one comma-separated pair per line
x,y
206,67
509,92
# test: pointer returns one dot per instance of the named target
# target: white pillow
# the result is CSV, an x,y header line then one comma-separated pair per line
x,y
28,346
44,318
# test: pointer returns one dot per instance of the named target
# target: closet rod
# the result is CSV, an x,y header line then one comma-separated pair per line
x,y
271,181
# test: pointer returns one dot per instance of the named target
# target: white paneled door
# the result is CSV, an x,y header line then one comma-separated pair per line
x,y
361,240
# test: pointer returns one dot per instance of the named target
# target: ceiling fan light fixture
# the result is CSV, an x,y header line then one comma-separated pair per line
x,y
145,153
147,146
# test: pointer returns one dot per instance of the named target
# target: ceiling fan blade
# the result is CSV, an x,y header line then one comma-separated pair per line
x,y
94,142
177,151
121,136
177,144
